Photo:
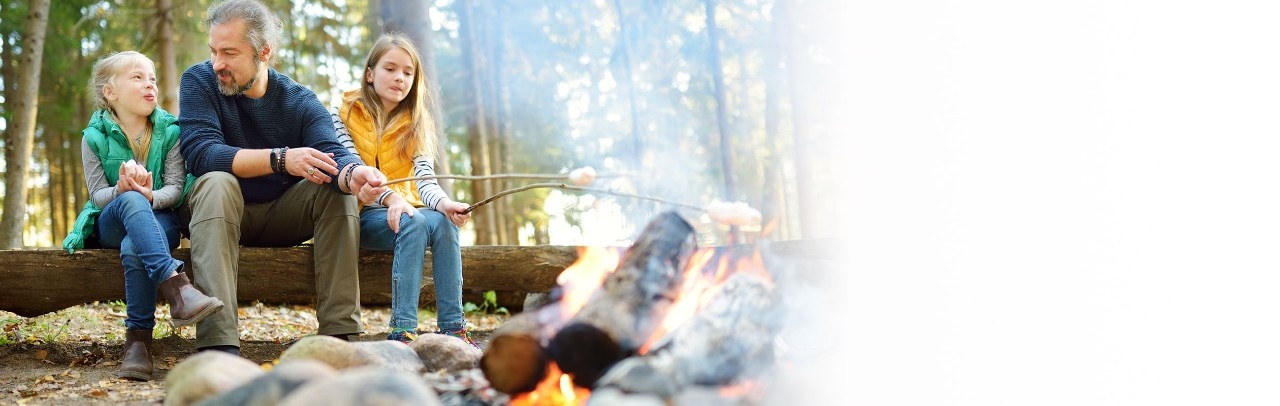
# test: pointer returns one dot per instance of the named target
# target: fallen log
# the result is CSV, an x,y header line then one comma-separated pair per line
x,y
34,282
39,281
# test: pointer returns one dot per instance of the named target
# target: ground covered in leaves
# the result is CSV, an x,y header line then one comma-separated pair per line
x,y
70,356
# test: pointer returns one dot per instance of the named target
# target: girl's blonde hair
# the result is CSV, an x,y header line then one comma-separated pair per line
x,y
420,138
105,71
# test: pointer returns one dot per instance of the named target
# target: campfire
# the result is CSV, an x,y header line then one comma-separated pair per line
x,y
658,319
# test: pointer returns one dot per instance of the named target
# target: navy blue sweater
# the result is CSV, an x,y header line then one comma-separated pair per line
x,y
214,127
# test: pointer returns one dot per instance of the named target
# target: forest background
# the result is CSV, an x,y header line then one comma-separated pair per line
x,y
631,88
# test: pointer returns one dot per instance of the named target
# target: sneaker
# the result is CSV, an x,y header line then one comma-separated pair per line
x,y
461,334
402,335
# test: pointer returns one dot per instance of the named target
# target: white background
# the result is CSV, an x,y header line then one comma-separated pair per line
x,y
1057,203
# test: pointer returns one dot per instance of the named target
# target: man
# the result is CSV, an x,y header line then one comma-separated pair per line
x,y
270,173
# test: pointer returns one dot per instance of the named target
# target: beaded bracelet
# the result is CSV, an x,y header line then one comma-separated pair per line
x,y
283,168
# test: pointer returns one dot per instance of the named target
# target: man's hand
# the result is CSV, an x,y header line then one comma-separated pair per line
x,y
367,183
454,211
310,164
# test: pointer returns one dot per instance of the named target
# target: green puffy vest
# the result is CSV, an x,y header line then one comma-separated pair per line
x,y
108,142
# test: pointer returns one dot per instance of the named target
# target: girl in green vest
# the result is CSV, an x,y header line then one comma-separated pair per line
x,y
136,178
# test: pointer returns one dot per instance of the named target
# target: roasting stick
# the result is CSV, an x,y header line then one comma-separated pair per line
x,y
581,176
580,188
723,212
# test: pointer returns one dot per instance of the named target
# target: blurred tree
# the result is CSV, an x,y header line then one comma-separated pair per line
x,y
19,136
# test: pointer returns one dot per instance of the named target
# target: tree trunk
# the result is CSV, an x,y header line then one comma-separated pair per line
x,y
508,227
729,192
773,209
168,58
414,19
8,70
20,136
54,192
800,117
478,124
629,82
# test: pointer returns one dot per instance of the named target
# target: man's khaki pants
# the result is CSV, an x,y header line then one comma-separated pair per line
x,y
220,222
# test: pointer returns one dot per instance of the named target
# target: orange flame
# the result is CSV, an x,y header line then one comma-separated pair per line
x,y
741,390
556,390
699,285
580,280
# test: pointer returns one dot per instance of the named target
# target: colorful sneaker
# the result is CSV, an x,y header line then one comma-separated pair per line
x,y
402,335
461,334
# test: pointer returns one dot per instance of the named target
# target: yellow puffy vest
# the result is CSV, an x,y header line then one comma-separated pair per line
x,y
379,152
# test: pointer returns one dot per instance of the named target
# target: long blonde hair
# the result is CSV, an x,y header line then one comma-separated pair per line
x,y
420,138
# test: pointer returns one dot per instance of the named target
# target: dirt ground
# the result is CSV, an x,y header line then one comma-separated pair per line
x,y
70,357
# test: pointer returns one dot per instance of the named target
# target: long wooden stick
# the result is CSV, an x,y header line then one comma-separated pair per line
x,y
579,188
495,176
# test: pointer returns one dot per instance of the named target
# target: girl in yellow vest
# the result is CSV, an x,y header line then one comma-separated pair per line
x,y
387,124
136,178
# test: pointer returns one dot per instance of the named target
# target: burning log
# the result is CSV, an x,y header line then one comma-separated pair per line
x,y
731,337
614,322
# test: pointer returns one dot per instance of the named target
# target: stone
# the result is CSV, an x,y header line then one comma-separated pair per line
x,y
439,351
336,353
206,374
392,355
273,386
365,386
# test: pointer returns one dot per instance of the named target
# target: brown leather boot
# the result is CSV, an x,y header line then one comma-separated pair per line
x,y
187,305
136,362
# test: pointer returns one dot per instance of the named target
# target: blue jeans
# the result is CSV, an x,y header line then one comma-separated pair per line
x,y
145,239
427,228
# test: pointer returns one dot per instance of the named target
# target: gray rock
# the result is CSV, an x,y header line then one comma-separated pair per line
x,y
332,351
439,351
206,374
392,355
273,386
365,386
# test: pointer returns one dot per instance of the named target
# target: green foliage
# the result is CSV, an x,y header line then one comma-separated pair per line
x,y
489,306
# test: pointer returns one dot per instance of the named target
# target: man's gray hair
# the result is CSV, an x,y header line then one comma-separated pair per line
x,y
262,27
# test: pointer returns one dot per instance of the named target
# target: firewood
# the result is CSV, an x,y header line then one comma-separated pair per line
x,y
731,337
613,323
515,361
634,298
631,303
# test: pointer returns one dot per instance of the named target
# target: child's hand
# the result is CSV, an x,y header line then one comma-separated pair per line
x,y
454,211
395,207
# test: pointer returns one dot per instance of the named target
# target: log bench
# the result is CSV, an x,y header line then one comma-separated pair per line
x,y
38,281
43,280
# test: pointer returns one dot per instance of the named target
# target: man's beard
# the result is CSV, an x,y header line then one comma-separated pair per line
x,y
230,89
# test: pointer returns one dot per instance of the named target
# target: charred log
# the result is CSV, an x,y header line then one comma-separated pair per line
x,y
636,296
585,350
615,321
730,338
